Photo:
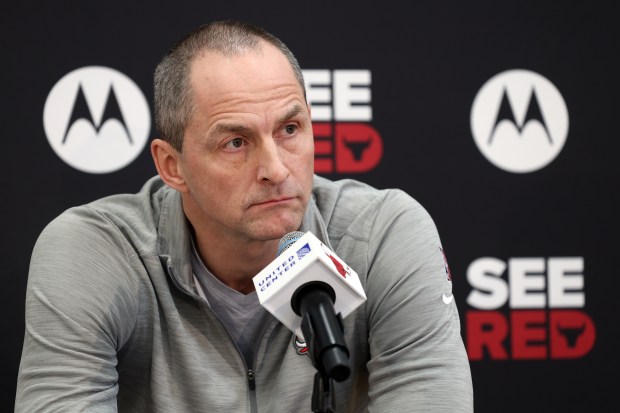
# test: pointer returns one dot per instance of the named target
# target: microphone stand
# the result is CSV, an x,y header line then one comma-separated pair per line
x,y
323,400
323,331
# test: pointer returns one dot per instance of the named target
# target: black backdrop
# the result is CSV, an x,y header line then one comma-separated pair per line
x,y
427,62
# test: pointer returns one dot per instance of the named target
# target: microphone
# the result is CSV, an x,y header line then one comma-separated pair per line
x,y
310,289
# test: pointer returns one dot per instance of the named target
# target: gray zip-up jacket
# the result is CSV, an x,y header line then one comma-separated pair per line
x,y
114,321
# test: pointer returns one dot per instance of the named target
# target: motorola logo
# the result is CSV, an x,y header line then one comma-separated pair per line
x,y
519,121
96,119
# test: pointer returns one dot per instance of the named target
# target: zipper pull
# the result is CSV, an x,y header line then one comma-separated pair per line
x,y
251,379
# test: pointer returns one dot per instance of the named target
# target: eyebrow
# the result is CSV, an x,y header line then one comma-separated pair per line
x,y
294,111
228,128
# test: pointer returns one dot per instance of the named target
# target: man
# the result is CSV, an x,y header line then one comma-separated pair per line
x,y
140,303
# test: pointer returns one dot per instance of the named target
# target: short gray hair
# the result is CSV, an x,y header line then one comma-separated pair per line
x,y
172,86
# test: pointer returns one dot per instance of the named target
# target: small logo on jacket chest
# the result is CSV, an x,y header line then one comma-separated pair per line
x,y
299,345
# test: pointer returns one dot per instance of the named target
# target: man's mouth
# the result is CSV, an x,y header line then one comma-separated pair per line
x,y
275,201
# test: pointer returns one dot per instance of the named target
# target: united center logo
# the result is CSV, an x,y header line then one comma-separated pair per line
x,y
519,121
96,119
303,251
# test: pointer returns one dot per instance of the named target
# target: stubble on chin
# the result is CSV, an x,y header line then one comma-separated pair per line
x,y
276,224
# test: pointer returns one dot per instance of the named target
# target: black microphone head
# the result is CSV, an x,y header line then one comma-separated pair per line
x,y
288,240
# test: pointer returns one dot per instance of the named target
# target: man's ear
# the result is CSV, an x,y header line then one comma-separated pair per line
x,y
167,162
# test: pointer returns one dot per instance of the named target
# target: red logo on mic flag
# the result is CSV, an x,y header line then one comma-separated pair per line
x,y
341,270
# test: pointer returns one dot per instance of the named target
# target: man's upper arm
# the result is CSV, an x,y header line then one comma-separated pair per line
x,y
418,361
79,310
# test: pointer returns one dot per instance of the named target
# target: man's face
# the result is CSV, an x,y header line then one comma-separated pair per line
x,y
248,151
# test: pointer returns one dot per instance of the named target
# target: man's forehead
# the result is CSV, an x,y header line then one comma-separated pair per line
x,y
260,72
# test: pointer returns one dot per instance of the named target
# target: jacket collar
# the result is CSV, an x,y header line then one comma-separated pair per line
x,y
174,242
313,222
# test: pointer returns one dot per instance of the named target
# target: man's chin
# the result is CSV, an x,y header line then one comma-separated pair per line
x,y
276,229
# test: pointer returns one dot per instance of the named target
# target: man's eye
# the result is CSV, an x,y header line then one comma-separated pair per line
x,y
234,143
290,129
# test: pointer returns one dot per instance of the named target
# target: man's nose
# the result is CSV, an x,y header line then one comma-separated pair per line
x,y
271,165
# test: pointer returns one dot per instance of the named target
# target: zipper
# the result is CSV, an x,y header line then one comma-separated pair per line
x,y
250,373
251,379
260,352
